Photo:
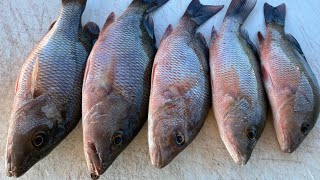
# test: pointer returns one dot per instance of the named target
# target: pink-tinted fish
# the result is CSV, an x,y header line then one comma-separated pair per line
x,y
239,100
292,88
180,93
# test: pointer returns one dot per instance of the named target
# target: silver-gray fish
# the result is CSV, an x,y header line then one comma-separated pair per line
x,y
292,88
180,95
117,84
47,104
239,100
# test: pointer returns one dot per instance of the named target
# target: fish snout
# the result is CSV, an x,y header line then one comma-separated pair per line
x,y
14,171
98,163
156,159
287,145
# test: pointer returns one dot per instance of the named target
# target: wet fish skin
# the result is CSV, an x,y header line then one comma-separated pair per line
x,y
292,87
180,95
117,84
47,104
239,100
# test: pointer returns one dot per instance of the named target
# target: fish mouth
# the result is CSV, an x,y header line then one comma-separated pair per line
x,y
240,157
96,164
159,158
12,171
286,145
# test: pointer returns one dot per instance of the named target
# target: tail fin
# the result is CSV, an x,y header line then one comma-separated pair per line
x,y
275,14
240,9
152,5
81,2
201,13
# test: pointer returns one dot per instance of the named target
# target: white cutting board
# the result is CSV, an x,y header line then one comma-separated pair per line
x,y
24,22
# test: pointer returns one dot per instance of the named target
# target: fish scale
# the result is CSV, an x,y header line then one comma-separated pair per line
x,y
292,87
238,96
47,104
180,90
117,84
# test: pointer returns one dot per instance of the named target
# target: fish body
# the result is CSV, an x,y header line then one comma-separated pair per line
x,y
292,87
239,101
180,92
117,84
47,103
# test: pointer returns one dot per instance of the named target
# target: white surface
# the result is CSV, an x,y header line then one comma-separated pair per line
x,y
24,22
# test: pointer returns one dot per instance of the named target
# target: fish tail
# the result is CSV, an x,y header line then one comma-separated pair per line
x,y
275,14
240,9
152,5
81,2
201,13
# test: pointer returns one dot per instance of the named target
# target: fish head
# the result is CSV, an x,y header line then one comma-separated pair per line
x,y
292,128
107,130
33,133
242,127
169,134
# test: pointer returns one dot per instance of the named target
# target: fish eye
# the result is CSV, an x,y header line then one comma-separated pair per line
x,y
251,134
305,127
39,139
179,139
118,138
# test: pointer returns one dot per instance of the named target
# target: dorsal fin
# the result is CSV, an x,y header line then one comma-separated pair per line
x,y
246,37
293,41
149,25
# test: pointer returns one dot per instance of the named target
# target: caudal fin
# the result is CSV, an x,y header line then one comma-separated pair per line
x,y
151,5
81,2
240,9
201,13
275,14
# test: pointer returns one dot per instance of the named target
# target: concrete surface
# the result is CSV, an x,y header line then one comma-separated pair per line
x,y
24,22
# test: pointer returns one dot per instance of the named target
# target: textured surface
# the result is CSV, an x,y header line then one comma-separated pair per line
x,y
23,23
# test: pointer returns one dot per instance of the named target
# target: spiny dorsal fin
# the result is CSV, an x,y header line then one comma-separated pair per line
x,y
201,13
240,9
275,14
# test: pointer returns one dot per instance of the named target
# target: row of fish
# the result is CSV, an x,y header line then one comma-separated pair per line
x,y
125,81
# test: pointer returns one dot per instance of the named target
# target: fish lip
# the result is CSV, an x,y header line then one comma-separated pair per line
x,y
96,164
286,143
157,158
239,157
13,171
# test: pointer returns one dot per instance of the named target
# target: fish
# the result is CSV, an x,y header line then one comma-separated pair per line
x,y
117,84
47,102
238,96
292,87
180,96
